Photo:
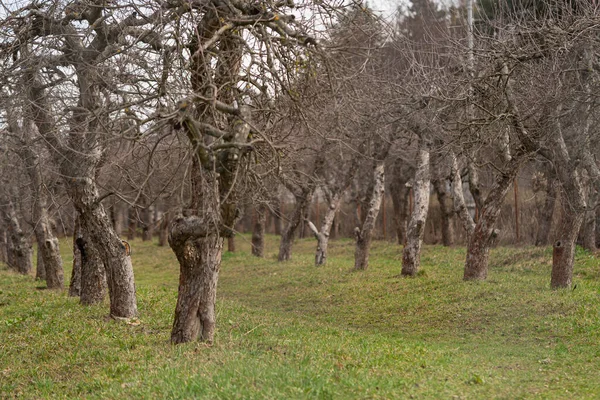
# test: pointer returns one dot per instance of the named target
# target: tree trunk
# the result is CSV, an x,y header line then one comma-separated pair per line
x,y
277,210
40,271
474,186
563,256
335,227
364,235
79,162
98,233
50,253
19,251
198,246
446,211
3,245
119,271
132,223
199,261
411,254
458,198
231,244
147,224
75,285
442,170
48,249
117,217
93,276
546,213
589,224
287,238
323,235
478,250
163,230
399,192
573,215
258,231
49,263
89,277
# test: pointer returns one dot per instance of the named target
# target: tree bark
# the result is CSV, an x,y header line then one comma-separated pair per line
x,y
458,198
573,215
258,231
564,250
323,235
198,245
19,251
40,271
75,285
303,200
99,235
132,223
147,224
399,193
546,214
3,245
411,254
364,235
163,230
277,216
440,180
117,217
478,250
231,244
199,261
50,254
93,276
49,265
589,223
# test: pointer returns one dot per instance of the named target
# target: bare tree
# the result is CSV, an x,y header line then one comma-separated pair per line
x,y
84,52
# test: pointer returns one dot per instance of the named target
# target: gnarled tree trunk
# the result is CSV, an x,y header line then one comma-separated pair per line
x,y
3,244
93,276
564,249
546,213
131,223
441,172
364,235
298,216
199,260
49,251
96,226
573,216
589,222
117,217
458,198
478,250
79,161
49,265
258,231
163,230
411,254
75,285
19,251
40,271
402,174
231,244
19,255
323,235
147,224
276,213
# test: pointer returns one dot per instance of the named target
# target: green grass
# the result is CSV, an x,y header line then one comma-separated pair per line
x,y
292,330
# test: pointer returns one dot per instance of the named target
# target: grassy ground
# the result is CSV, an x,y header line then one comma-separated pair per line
x,y
295,331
